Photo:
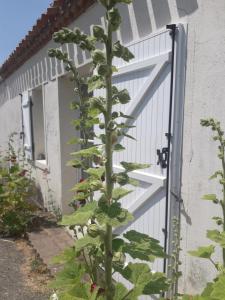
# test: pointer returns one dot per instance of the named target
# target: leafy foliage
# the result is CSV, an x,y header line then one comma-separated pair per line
x,y
15,189
97,197
215,290
203,252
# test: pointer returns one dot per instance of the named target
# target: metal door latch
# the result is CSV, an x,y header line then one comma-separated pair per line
x,y
163,157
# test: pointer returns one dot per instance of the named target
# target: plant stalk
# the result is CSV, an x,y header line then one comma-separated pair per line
x,y
108,165
222,152
223,205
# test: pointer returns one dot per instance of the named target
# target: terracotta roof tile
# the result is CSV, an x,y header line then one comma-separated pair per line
x,y
59,14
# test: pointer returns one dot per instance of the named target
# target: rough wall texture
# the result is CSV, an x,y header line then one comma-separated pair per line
x,y
204,98
204,92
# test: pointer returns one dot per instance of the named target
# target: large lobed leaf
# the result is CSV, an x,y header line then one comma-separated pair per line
x,y
95,82
203,252
145,282
96,172
119,193
113,215
218,289
81,216
129,166
68,255
142,246
217,236
87,241
89,152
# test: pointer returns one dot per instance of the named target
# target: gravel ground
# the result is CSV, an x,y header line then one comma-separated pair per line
x,y
12,284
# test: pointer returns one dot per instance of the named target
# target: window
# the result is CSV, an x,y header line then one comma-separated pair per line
x,y
38,128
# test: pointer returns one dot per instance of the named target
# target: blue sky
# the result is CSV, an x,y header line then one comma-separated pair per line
x,y
16,18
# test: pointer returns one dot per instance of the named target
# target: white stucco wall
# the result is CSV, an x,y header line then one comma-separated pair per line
x,y
69,175
204,98
205,69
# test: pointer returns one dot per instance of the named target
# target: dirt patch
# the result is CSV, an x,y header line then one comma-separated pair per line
x,y
18,277
35,273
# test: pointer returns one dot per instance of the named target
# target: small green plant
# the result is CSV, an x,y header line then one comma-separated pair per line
x,y
37,266
15,189
51,203
98,252
175,262
215,290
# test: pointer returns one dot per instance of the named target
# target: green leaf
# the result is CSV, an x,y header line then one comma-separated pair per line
x,y
73,141
104,70
69,276
121,96
81,216
89,152
122,115
196,297
123,1
118,147
81,196
76,163
211,197
216,174
121,292
203,252
145,282
98,103
119,193
96,172
219,221
113,215
122,52
142,246
124,125
207,290
111,3
68,255
117,244
115,18
128,135
98,57
137,273
95,82
83,187
217,236
157,284
68,296
114,69
122,178
129,167
133,182
87,241
218,292
99,33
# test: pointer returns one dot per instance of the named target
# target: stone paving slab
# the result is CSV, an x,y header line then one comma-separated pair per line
x,y
49,242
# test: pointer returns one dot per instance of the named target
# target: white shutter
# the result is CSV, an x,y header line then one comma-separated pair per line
x,y
27,123
147,78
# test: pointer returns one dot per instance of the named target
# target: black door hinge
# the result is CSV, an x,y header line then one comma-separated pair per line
x,y
163,157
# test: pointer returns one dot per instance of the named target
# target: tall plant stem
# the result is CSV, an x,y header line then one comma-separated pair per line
x,y
222,152
223,204
108,165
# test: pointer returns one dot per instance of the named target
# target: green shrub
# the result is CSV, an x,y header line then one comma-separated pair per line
x,y
15,190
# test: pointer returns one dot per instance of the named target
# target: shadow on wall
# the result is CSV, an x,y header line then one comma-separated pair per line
x,y
160,11
185,7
